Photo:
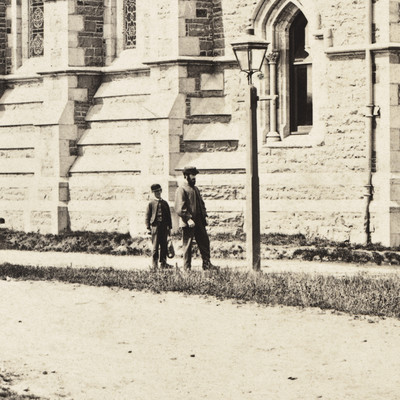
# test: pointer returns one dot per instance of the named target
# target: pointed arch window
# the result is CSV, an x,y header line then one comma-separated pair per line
x,y
300,69
36,28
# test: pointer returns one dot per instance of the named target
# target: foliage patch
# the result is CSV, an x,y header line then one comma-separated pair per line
x,y
273,246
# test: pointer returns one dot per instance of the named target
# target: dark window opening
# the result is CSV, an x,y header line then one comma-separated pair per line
x,y
300,77
201,13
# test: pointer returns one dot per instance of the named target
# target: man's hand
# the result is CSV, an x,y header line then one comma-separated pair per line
x,y
191,223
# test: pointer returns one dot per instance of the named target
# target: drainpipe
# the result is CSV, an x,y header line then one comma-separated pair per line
x,y
368,123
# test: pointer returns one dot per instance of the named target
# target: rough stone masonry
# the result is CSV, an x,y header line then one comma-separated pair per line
x,y
102,98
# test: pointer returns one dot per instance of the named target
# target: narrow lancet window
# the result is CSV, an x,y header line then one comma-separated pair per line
x,y
301,107
36,28
129,24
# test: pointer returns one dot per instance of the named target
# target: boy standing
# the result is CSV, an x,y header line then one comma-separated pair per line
x,y
158,224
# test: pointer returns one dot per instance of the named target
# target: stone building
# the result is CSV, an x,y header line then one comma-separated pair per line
x,y
101,98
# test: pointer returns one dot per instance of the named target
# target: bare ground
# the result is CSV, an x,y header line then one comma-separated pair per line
x,y
63,341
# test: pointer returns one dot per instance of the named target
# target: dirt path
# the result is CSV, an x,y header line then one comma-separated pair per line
x,y
64,341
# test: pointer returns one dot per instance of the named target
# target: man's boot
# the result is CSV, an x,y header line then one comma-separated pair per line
x,y
210,267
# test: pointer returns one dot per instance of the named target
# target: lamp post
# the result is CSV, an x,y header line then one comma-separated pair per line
x,y
250,52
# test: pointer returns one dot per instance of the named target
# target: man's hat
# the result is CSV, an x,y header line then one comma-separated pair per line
x,y
155,187
190,170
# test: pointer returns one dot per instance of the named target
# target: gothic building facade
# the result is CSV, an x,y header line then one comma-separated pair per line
x,y
102,98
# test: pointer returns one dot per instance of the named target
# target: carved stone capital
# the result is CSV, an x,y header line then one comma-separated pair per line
x,y
273,57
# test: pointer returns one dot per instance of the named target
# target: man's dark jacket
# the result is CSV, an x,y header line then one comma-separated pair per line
x,y
186,205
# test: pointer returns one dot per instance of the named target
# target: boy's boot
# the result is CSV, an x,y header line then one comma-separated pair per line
x,y
164,265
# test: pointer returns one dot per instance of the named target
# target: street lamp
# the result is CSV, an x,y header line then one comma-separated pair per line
x,y
250,53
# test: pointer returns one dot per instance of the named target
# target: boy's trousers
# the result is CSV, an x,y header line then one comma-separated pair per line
x,y
159,237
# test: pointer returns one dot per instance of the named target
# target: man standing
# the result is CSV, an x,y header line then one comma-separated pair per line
x,y
192,212
158,224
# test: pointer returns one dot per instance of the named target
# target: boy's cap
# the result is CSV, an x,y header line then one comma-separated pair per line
x,y
155,187
190,170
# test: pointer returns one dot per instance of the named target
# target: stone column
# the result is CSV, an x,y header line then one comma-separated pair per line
x,y
272,135
110,31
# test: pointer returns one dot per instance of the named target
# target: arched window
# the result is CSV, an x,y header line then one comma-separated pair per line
x,y
36,28
301,106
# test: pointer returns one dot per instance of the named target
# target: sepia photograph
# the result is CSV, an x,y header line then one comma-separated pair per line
x,y
198,199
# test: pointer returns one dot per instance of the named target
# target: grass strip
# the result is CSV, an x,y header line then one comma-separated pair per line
x,y
359,294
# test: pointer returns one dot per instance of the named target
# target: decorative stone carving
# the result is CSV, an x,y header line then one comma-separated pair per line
x,y
272,57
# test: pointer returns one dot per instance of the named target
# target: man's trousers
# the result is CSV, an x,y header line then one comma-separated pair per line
x,y
203,242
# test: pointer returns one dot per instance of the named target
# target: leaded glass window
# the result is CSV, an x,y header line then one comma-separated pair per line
x,y
129,24
36,28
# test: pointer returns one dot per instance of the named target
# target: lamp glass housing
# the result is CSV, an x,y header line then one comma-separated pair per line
x,y
250,52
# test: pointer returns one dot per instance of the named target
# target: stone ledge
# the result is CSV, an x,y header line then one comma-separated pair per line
x,y
100,136
17,165
210,132
96,164
216,161
132,86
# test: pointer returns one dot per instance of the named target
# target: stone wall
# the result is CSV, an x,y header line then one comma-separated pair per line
x,y
234,19
218,29
160,27
87,86
91,37
202,27
346,19
166,103
338,157
338,226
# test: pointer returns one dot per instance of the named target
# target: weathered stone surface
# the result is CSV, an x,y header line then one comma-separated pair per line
x,y
103,193
14,219
91,221
165,102
14,193
41,220
338,226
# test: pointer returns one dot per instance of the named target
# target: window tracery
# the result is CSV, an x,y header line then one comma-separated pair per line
x,y
36,28
129,24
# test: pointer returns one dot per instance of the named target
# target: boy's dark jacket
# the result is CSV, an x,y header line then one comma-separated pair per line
x,y
151,213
